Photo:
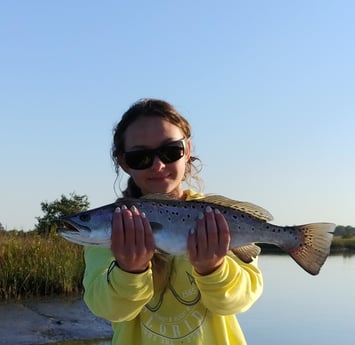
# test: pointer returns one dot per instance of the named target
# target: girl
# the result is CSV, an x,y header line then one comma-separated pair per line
x,y
153,297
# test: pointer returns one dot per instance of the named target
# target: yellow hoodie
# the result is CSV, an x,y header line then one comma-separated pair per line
x,y
193,309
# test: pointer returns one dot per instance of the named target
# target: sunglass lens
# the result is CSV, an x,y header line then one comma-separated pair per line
x,y
139,160
169,154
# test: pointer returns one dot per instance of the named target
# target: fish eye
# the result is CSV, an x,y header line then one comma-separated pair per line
x,y
85,217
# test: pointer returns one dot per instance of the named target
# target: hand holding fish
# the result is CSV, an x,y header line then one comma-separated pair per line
x,y
132,241
208,244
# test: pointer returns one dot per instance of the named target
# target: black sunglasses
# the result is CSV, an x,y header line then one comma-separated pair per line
x,y
167,153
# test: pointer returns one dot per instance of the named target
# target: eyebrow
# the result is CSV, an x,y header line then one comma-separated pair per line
x,y
164,142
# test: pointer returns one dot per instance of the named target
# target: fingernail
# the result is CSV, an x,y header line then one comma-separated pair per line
x,y
134,209
200,215
117,210
192,231
217,211
143,215
208,209
124,207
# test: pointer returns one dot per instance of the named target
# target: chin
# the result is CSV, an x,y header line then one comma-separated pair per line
x,y
163,190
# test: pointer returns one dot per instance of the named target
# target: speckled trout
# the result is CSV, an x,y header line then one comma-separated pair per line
x,y
171,220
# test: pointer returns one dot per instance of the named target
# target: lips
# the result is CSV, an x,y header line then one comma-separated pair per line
x,y
158,178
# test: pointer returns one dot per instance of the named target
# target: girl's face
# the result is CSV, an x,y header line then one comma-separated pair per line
x,y
151,133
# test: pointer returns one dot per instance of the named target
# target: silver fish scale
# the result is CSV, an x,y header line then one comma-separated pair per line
x,y
178,218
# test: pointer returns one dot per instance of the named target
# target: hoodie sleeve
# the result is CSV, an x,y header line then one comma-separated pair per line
x,y
232,288
117,295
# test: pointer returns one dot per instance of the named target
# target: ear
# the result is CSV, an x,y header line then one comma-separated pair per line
x,y
188,149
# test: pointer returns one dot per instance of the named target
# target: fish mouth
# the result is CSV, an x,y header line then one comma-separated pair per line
x,y
81,234
71,226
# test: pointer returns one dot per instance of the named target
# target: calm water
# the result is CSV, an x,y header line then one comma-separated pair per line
x,y
297,308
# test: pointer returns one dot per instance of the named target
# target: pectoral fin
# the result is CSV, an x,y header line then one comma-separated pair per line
x,y
155,226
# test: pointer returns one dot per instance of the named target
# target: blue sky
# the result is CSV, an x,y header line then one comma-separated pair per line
x,y
268,87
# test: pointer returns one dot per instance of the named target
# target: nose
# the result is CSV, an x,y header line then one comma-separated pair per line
x,y
157,163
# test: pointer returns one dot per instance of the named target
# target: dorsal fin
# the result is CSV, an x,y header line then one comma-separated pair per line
x,y
246,207
157,196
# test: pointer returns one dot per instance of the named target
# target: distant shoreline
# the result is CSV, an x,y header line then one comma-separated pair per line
x,y
339,246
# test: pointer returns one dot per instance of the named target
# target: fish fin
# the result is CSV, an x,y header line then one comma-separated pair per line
x,y
156,226
246,207
247,253
158,196
315,247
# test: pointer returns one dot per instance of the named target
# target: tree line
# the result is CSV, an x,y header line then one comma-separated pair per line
x,y
54,210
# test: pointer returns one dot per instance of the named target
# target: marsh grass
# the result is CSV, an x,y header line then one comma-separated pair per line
x,y
341,243
33,265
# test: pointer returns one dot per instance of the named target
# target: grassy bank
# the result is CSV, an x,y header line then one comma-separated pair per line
x,y
339,245
33,265
343,244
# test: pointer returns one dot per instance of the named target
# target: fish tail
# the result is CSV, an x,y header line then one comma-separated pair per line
x,y
314,248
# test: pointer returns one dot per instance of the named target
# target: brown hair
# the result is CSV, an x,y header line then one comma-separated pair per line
x,y
148,107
